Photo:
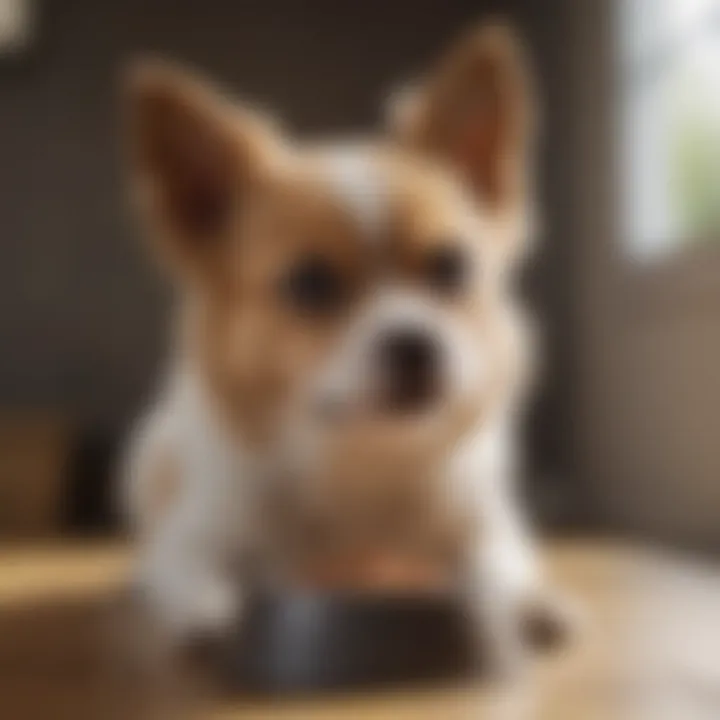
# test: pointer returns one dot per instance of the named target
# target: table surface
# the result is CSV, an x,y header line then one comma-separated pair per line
x,y
649,650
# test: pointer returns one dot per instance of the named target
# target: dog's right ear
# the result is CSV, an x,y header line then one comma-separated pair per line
x,y
476,111
194,155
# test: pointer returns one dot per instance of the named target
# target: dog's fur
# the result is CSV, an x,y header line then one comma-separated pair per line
x,y
266,454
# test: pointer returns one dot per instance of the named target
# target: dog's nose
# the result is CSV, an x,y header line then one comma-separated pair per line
x,y
409,361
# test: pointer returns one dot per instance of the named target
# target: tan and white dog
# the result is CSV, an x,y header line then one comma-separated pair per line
x,y
350,361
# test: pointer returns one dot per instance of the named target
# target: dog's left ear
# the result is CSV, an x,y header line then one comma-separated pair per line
x,y
195,156
476,112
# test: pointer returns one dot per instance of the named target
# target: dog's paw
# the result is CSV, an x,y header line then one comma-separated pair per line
x,y
193,606
551,621
211,607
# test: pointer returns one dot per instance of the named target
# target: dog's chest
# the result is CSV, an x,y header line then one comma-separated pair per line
x,y
405,519
432,518
434,513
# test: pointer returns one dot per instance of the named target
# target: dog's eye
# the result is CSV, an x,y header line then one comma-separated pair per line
x,y
313,286
447,269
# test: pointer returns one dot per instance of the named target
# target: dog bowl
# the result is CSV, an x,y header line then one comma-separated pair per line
x,y
305,642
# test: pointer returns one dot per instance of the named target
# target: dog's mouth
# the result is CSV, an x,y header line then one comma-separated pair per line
x,y
403,405
397,432
413,398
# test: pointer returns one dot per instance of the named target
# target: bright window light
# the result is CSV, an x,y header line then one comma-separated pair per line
x,y
669,124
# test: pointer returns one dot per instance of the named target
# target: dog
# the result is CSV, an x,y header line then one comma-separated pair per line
x,y
350,360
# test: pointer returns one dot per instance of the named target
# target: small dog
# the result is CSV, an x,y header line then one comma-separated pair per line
x,y
350,361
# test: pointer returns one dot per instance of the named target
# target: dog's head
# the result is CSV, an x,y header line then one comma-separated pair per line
x,y
349,293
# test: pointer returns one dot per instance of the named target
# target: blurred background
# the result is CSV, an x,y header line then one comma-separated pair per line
x,y
626,431
624,437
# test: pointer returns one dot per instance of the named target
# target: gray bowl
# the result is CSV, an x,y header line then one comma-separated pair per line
x,y
303,643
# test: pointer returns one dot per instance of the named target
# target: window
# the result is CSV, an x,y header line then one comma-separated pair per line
x,y
669,124
16,18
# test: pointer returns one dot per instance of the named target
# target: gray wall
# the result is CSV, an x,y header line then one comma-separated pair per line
x,y
82,315
648,340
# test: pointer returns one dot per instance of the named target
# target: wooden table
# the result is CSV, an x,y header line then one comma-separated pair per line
x,y
650,651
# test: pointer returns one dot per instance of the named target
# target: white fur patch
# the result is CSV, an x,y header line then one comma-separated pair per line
x,y
356,178
351,375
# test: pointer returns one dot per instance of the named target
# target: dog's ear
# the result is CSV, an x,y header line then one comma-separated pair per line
x,y
475,111
193,156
